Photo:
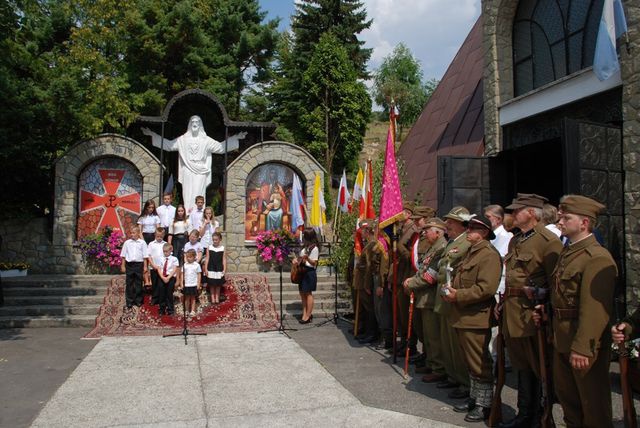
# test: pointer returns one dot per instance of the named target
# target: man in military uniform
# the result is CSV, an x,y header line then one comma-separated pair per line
x,y
582,301
376,273
457,374
408,233
472,298
424,286
530,260
363,286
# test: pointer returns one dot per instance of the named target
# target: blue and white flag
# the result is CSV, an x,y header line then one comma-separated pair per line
x,y
612,25
169,187
297,204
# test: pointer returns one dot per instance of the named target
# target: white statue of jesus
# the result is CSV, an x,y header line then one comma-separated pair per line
x,y
194,148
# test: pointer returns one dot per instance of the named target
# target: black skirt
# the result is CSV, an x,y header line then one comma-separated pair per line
x,y
309,280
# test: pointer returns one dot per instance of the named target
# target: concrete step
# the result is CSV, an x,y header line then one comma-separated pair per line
x,y
53,300
317,304
44,310
55,291
48,321
57,281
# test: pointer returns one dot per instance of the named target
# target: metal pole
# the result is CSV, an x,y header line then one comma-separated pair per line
x,y
224,177
160,188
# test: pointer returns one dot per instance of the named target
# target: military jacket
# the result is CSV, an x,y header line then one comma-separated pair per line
x,y
453,254
476,281
583,283
407,236
530,261
359,270
424,294
373,257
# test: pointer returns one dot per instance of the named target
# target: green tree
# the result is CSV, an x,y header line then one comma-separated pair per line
x,y
345,19
337,109
399,81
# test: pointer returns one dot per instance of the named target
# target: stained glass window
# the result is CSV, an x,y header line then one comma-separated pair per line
x,y
552,39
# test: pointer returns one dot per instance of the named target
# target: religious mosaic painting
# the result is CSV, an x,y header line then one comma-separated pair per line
x,y
110,195
268,199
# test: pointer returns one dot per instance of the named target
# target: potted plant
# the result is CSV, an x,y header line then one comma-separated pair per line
x,y
274,247
101,251
13,269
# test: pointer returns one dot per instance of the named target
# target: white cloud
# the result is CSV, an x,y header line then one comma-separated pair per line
x,y
432,29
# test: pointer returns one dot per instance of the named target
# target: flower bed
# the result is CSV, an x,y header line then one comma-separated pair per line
x,y
101,251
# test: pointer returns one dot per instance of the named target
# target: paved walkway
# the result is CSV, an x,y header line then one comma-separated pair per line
x,y
243,379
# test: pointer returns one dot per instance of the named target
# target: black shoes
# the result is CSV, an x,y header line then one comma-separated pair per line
x,y
465,407
459,393
477,414
446,384
306,321
519,421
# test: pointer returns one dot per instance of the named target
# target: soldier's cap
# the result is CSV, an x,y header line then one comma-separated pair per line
x,y
435,222
409,206
581,205
524,200
481,222
458,213
422,211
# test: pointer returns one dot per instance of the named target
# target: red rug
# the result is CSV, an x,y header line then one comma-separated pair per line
x,y
249,307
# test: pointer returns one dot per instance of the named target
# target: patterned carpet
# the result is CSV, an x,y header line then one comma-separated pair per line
x,y
249,307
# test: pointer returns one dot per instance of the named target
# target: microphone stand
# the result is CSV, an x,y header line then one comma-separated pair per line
x,y
281,328
185,327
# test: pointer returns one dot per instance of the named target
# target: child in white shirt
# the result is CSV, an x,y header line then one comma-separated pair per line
x,y
191,282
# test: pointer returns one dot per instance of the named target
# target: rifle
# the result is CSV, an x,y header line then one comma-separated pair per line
x,y
406,354
355,324
546,421
495,417
628,409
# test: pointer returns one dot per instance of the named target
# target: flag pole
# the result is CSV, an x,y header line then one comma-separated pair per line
x,y
394,278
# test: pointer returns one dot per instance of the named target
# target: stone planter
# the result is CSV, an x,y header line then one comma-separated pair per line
x,y
12,273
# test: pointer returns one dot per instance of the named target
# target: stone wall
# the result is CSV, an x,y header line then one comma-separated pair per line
x,y
67,170
28,241
497,22
241,255
630,64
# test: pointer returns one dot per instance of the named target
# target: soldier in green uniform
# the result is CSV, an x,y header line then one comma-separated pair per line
x,y
472,298
529,263
424,286
363,284
409,231
457,374
581,302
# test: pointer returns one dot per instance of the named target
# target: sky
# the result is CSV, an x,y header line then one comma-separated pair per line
x,y
432,29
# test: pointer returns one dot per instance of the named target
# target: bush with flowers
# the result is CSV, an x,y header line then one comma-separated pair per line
x,y
101,251
274,246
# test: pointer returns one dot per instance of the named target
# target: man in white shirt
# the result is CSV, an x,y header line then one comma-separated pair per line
x,y
195,216
166,212
134,253
495,214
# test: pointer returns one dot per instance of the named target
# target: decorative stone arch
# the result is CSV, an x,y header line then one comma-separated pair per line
x,y
497,16
67,171
241,255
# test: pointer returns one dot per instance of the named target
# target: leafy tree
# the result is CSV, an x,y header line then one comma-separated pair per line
x,y
345,19
337,109
399,81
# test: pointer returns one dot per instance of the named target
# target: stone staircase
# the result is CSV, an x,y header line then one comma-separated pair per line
x,y
324,297
74,300
52,300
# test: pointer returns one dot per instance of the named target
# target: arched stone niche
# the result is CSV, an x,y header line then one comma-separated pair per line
x,y
68,169
241,254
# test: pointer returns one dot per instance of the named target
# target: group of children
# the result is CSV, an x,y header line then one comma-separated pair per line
x,y
189,264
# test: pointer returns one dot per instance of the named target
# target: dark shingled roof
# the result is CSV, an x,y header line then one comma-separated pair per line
x,y
452,122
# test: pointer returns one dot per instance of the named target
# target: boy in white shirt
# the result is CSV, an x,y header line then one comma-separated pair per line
x,y
134,253
155,258
195,216
166,212
167,271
